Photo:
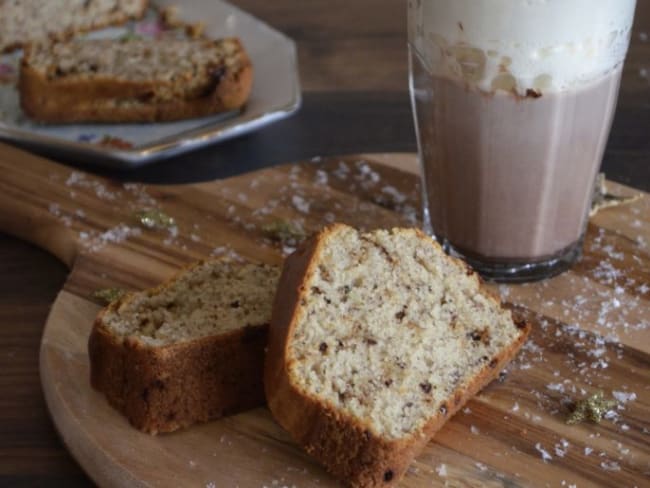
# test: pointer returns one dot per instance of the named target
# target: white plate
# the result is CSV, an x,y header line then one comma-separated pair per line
x,y
275,95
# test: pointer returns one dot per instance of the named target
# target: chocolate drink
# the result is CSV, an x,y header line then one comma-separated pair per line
x,y
509,176
513,101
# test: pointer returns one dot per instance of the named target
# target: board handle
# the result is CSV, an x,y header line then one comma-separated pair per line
x,y
51,205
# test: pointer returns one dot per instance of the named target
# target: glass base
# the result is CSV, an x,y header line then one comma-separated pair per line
x,y
513,271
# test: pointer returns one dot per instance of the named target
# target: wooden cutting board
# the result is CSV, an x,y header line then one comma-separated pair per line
x,y
591,328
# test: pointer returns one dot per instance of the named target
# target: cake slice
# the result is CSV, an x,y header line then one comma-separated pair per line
x,y
188,351
26,21
134,80
376,340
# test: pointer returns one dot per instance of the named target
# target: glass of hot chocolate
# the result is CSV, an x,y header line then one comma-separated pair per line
x,y
513,102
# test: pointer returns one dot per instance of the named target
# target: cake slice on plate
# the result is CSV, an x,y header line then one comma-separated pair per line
x,y
26,21
134,80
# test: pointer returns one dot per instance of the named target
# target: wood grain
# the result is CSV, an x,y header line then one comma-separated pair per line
x,y
353,71
500,439
30,450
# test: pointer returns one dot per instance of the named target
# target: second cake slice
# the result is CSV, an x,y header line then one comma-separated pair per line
x,y
188,351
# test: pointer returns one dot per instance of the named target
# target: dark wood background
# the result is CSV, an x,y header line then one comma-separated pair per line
x,y
353,69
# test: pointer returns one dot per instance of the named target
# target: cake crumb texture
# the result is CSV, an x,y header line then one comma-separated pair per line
x,y
27,21
388,338
188,351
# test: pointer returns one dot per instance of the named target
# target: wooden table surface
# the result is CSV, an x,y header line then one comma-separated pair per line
x,y
353,70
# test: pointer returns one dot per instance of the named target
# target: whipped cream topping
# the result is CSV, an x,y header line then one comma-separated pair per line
x,y
521,45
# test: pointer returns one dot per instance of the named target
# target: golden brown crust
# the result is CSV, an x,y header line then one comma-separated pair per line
x,y
110,20
68,101
165,388
348,450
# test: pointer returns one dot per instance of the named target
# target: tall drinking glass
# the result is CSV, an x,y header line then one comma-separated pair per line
x,y
513,102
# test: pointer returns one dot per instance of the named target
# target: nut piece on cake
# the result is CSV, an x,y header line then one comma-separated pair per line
x,y
188,351
27,21
134,80
376,339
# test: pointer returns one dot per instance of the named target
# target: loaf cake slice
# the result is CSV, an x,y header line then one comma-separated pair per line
x,y
26,21
188,351
376,339
133,80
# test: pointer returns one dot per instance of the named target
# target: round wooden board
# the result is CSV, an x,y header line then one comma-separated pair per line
x,y
497,440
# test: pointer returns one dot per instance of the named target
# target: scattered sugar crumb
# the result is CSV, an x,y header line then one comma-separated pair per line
x,y
286,249
546,457
74,178
342,171
610,466
173,234
394,193
441,469
320,178
597,352
226,252
367,174
94,241
300,203
624,397
561,448
474,430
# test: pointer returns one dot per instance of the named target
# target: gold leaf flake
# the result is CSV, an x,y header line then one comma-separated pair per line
x,y
155,219
592,408
284,231
108,295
